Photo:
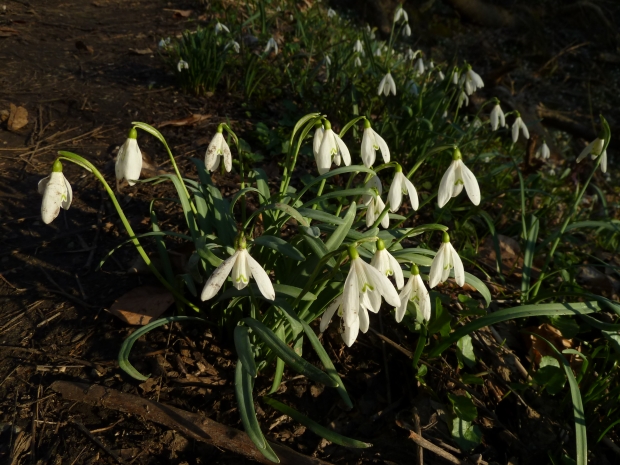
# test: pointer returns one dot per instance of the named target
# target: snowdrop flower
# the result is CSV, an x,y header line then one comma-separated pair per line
x,y
440,76
272,45
328,60
400,13
497,117
387,264
445,260
415,292
331,13
543,151
472,81
387,85
373,212
332,149
56,192
407,30
418,67
234,44
363,289
163,43
519,124
455,77
410,54
595,148
357,62
378,52
182,64
401,185
463,99
371,142
457,176
218,148
373,183
316,141
371,32
358,47
219,27
241,267
129,159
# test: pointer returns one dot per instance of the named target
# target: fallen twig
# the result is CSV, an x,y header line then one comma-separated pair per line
x,y
420,441
190,424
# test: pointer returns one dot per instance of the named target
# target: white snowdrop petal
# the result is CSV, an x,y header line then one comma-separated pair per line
x,y
316,142
364,320
446,185
524,130
217,278
398,271
604,161
344,151
459,270
66,203
212,157
413,193
329,313
328,143
350,333
368,152
471,184
584,153
395,194
515,131
434,276
42,185
262,278
385,151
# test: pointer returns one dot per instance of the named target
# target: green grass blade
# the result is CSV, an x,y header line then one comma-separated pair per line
x,y
340,194
288,355
280,245
523,311
244,349
528,258
314,426
320,215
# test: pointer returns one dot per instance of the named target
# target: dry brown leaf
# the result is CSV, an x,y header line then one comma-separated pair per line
x,y
141,51
141,305
179,14
8,31
539,348
192,119
80,45
18,118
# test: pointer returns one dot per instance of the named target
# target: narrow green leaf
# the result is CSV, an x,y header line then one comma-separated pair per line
x,y
224,223
280,245
314,426
244,349
282,290
320,215
528,257
262,184
338,236
340,194
277,377
288,355
245,403
240,193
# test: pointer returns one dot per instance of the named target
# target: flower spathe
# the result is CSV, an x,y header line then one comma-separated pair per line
x,y
519,124
387,85
272,45
182,64
371,142
241,267
332,149
497,117
446,260
401,185
57,193
543,151
129,159
218,148
457,176
363,290
414,291
387,264
595,149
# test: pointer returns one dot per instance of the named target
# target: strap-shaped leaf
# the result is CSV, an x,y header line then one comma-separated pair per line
x,y
340,194
313,426
261,183
244,349
338,236
327,363
123,354
243,191
277,377
282,290
288,355
224,223
528,258
320,215
280,245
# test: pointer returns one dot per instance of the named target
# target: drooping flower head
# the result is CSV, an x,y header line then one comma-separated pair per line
x,y
457,176
218,148
57,193
463,99
363,289
387,85
401,185
387,264
418,67
400,13
219,27
182,64
317,139
358,47
595,149
234,44
471,81
543,151
331,13
129,159
407,30
241,267
446,260
519,124
371,142
272,45
497,117
415,292
332,149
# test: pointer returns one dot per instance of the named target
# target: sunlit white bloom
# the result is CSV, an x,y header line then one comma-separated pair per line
x,y
163,43
331,13
595,148
471,80
414,291
400,13
371,142
457,176
316,141
463,99
410,54
440,76
219,27
418,67
234,44
401,185
373,183
455,77
56,192
358,47
272,45
328,60
407,30
445,260
182,64
519,124
371,32
374,210
129,159
218,148
357,62
241,267
332,149
497,117
363,289
543,151
387,85
387,264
